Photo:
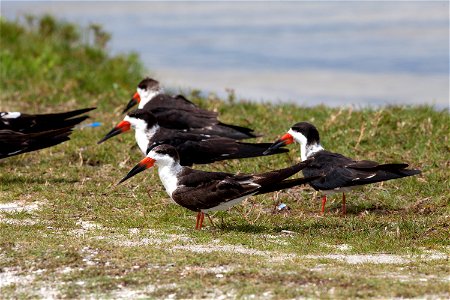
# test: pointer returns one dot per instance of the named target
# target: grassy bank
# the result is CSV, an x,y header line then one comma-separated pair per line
x,y
66,231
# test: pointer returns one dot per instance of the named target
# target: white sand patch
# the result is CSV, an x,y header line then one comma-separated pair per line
x,y
141,239
343,247
379,258
149,237
44,290
65,270
85,227
127,293
435,255
363,258
136,237
19,206
272,256
276,239
410,277
219,294
16,222
88,225
339,247
10,276
219,271
89,256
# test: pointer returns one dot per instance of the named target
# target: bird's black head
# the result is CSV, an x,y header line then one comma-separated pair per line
x,y
165,150
308,130
142,115
149,84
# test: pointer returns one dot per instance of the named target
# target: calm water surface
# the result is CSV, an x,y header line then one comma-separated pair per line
x,y
346,53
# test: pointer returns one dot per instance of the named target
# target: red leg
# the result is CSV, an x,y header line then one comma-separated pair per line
x,y
324,201
198,219
344,209
202,216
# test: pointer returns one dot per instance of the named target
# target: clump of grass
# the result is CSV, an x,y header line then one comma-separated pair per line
x,y
49,62
90,239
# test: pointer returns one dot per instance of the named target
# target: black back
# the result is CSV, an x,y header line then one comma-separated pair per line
x,y
204,149
339,171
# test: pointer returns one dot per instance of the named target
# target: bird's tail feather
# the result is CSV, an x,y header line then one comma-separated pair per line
x,y
253,150
285,184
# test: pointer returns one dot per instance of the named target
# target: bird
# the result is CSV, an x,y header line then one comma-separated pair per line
x,y
177,112
203,191
194,146
339,173
21,133
26,123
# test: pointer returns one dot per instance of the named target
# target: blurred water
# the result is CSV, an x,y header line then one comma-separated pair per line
x,y
336,53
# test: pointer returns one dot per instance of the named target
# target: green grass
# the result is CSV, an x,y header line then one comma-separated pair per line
x,y
88,238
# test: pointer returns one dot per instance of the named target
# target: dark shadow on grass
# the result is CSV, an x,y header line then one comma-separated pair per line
x,y
358,208
247,228
34,180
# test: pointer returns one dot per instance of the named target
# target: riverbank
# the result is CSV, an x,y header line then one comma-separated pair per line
x,y
68,232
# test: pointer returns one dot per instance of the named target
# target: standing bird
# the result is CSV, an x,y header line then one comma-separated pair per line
x,y
340,173
202,191
21,133
194,146
176,112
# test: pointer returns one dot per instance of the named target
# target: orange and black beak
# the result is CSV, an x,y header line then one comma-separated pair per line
x,y
135,100
121,127
283,141
143,165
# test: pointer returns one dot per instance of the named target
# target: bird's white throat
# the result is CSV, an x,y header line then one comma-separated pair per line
x,y
143,137
146,96
306,150
168,173
310,150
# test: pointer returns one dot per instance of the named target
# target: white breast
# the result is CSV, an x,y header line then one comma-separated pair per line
x,y
141,140
168,176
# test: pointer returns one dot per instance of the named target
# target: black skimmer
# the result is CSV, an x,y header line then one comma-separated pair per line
x,y
340,173
26,123
202,191
194,146
20,133
177,112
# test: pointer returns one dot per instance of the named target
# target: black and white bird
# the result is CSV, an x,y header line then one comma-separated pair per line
x,y
339,173
177,112
202,191
194,147
21,133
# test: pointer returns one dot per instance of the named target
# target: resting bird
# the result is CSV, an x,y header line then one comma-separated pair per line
x,y
21,133
340,173
176,112
194,147
202,191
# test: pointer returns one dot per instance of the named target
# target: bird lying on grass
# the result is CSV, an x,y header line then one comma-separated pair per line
x,y
194,147
21,133
177,112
